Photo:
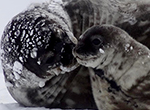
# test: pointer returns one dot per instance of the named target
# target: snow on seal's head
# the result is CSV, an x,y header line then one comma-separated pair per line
x,y
36,46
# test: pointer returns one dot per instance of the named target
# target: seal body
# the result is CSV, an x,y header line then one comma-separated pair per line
x,y
37,59
28,49
130,16
119,68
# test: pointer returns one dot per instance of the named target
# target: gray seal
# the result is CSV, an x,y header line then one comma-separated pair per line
x,y
118,66
37,59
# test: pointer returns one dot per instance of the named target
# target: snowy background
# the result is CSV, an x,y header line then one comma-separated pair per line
x,y
8,9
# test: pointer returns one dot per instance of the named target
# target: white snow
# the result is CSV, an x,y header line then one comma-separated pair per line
x,y
39,62
17,68
131,48
101,51
148,55
41,84
68,69
15,106
33,54
21,59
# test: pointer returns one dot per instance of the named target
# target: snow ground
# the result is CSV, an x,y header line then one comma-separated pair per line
x,y
16,106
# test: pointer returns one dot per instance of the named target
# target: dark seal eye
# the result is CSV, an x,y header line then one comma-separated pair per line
x,y
96,41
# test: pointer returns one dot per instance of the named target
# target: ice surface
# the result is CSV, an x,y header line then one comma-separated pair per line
x,y
15,106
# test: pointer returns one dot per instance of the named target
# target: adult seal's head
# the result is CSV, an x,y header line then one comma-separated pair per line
x,y
40,40
36,46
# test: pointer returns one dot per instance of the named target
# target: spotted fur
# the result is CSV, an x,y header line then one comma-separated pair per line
x,y
119,68
132,17
37,59
62,20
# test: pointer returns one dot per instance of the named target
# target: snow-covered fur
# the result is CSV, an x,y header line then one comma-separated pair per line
x,y
37,59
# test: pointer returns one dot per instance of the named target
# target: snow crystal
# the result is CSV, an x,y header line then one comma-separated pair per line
x,y
68,69
39,62
8,84
139,53
9,49
101,51
39,43
41,84
30,43
127,45
148,55
34,53
21,59
62,49
58,31
17,68
13,40
24,33
31,33
11,77
17,76
64,68
28,40
26,56
17,84
131,48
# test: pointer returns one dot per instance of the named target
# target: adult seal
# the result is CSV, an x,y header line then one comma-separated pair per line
x,y
37,59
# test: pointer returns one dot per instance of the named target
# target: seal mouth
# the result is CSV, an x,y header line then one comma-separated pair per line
x,y
84,60
83,57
